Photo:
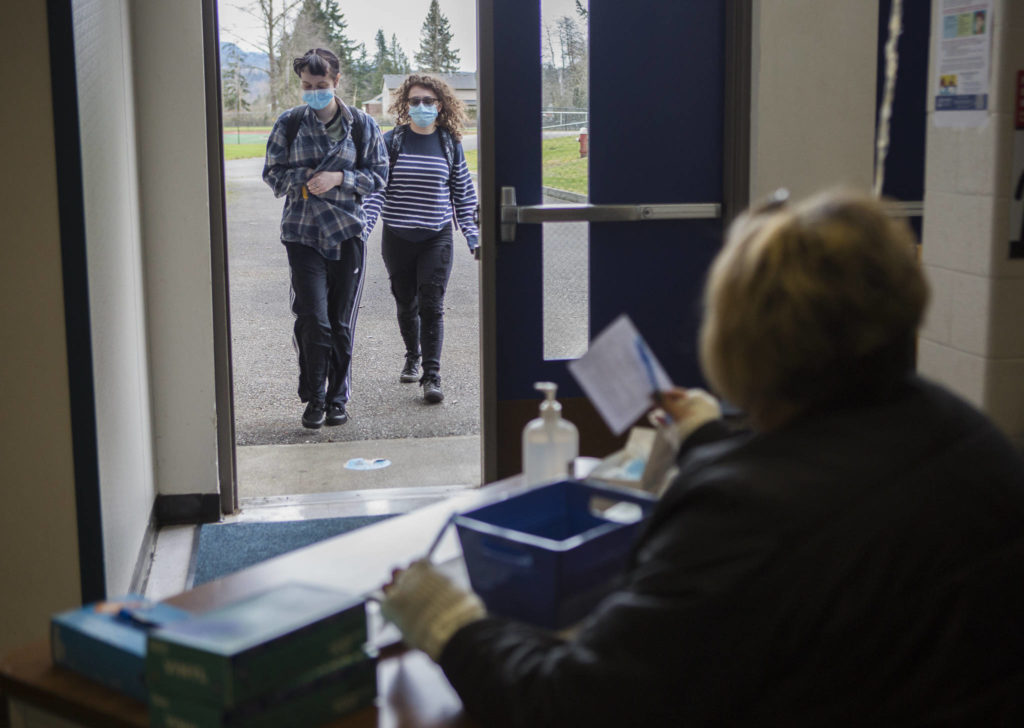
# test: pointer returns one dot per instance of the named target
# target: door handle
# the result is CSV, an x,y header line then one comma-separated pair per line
x,y
513,214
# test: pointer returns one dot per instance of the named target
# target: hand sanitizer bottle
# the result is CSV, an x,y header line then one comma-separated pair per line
x,y
550,443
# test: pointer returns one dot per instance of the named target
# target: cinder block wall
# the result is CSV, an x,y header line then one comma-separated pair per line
x,y
973,339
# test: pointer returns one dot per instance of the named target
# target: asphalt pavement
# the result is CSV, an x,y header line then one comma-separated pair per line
x,y
265,369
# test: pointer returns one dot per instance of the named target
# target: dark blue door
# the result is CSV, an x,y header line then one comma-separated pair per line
x,y
655,126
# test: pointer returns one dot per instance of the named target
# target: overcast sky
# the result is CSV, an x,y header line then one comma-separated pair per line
x,y
404,18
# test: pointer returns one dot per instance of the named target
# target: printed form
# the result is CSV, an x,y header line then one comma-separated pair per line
x,y
619,374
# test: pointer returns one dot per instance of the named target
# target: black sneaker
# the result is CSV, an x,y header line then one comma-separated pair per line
x,y
336,414
432,387
411,370
314,415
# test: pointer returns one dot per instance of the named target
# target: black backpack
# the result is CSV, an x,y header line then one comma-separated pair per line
x,y
295,114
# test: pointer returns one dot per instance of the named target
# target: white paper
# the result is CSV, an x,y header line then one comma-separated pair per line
x,y
964,45
613,375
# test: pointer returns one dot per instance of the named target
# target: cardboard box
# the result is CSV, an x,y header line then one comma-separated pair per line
x,y
106,641
233,654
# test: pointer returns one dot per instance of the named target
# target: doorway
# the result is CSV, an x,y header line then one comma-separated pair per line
x,y
393,439
659,156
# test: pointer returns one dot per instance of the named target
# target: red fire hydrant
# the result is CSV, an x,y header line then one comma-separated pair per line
x,y
584,142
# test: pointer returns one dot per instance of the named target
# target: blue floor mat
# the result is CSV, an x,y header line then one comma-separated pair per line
x,y
225,548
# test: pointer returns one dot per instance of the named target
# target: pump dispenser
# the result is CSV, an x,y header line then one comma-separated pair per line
x,y
550,443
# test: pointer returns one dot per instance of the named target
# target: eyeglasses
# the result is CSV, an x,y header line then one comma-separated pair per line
x,y
425,100
774,202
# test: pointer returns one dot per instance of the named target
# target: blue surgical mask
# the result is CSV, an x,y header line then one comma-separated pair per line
x,y
318,98
423,116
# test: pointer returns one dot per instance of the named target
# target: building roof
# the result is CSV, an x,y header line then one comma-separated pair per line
x,y
462,80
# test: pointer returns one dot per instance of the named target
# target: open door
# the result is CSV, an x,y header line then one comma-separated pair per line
x,y
657,170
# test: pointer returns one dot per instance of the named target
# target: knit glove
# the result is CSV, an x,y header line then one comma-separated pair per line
x,y
689,409
428,608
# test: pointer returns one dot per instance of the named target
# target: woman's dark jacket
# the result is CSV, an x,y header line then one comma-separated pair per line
x,y
863,566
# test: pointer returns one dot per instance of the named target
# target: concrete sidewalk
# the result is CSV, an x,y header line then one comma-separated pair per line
x,y
269,470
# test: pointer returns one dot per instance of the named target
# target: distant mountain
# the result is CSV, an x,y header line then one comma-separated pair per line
x,y
254,66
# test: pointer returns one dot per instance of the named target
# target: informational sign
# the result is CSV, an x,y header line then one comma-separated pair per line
x,y
961,85
1017,179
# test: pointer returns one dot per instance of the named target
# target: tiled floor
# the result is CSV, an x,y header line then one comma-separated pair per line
x,y
170,571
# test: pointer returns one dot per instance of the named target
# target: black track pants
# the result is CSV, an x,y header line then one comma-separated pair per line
x,y
419,273
325,301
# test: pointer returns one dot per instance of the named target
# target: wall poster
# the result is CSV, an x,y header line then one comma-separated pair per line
x,y
961,85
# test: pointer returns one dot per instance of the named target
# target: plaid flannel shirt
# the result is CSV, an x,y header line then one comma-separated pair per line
x,y
324,221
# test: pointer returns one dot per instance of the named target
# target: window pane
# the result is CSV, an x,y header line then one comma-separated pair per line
x,y
564,159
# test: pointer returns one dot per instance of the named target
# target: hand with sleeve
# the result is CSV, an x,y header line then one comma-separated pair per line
x,y
689,409
427,607
321,182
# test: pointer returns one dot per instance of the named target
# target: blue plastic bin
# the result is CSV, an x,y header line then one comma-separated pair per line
x,y
544,556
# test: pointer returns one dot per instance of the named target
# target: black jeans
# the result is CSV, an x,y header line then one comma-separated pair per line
x,y
325,300
419,273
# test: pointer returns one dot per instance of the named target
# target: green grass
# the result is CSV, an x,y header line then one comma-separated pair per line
x,y
561,166
250,141
244,151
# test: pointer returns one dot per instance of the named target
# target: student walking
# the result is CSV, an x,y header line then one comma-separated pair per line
x,y
428,187
323,158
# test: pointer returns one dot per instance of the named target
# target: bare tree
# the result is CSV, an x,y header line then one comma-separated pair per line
x,y
565,66
274,16
308,31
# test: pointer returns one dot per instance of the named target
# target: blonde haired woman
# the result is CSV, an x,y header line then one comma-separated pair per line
x,y
428,187
855,559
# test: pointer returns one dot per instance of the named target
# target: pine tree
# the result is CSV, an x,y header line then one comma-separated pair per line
x,y
399,61
335,25
381,59
321,24
363,72
435,53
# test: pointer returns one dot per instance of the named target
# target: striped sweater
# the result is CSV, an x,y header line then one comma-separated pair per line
x,y
417,200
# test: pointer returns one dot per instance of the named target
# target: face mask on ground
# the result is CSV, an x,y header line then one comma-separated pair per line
x,y
318,98
423,116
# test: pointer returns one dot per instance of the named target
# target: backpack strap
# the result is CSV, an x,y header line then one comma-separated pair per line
x,y
395,147
448,145
356,131
292,125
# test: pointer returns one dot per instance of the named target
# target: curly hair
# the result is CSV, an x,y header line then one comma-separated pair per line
x,y
452,114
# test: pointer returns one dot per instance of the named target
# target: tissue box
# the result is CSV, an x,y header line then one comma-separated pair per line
x,y
547,556
106,641
284,636
323,698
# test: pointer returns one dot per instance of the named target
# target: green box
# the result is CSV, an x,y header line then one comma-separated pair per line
x,y
284,636
326,698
